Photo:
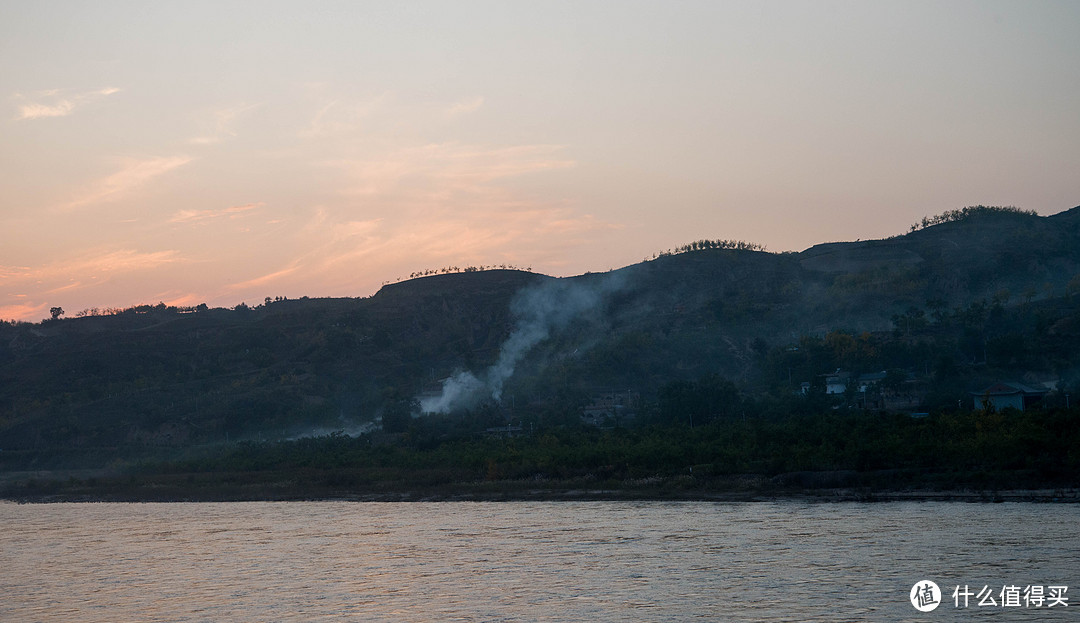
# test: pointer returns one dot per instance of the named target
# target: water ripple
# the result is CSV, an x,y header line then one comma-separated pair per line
x,y
597,561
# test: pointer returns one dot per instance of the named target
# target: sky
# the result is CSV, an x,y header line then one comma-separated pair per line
x,y
223,152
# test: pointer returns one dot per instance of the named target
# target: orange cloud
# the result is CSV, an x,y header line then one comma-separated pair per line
x,y
23,311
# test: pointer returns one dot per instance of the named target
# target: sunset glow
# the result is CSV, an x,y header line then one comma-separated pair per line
x,y
225,152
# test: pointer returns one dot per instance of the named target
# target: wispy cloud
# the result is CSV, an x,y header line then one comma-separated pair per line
x,y
181,299
439,171
23,311
93,264
443,202
220,124
65,276
324,244
341,254
343,115
205,216
431,205
133,174
12,272
98,264
266,279
465,107
57,103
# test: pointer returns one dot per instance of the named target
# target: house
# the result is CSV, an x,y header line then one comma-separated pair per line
x,y
610,407
597,412
1004,395
871,389
870,379
908,396
836,383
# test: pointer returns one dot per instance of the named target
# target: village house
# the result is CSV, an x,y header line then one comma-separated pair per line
x,y
870,379
1006,395
870,389
609,407
836,383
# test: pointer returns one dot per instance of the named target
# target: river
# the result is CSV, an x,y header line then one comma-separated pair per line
x,y
534,561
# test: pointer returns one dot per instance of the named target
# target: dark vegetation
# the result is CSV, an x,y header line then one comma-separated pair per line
x,y
975,450
713,361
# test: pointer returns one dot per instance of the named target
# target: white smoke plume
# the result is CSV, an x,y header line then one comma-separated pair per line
x,y
540,311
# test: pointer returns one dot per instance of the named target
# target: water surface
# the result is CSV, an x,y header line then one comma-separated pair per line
x,y
525,561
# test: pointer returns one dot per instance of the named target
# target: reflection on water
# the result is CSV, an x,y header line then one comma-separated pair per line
x,y
557,561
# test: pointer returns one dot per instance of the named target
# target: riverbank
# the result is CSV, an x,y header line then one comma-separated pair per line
x,y
49,487
964,456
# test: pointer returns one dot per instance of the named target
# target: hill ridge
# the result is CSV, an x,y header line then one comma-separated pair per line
x,y
998,290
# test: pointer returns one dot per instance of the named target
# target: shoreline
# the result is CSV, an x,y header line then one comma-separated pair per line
x,y
106,485
488,494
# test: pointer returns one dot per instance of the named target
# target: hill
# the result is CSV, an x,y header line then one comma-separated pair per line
x,y
989,294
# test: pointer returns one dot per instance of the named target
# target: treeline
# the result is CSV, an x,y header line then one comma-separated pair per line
x,y
701,245
952,216
160,308
951,450
447,270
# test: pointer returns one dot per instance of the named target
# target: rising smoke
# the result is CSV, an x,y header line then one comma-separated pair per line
x,y
540,311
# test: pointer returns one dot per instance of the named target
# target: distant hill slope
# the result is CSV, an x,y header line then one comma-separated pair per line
x,y
158,376
860,285
956,261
